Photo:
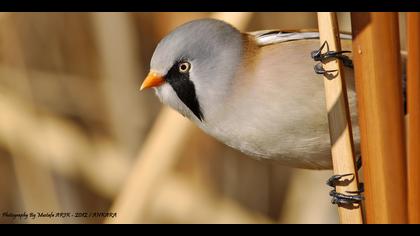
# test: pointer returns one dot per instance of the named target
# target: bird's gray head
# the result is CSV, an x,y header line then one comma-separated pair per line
x,y
192,68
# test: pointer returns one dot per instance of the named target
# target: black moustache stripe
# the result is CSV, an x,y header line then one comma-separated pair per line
x,y
185,90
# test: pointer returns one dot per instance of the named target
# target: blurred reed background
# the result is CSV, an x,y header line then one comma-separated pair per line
x,y
73,125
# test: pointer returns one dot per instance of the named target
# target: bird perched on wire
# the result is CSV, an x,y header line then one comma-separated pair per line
x,y
256,92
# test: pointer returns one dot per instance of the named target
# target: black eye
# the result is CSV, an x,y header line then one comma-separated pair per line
x,y
184,67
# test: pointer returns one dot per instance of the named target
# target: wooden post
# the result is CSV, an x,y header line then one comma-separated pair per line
x,y
338,117
379,89
413,107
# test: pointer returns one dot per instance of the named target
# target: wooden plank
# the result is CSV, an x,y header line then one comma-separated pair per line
x,y
413,107
376,56
339,119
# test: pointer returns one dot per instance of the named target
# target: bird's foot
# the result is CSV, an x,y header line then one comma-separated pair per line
x,y
349,199
345,200
317,55
319,69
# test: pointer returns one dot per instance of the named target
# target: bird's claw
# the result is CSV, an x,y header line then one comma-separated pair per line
x,y
345,199
317,55
353,197
319,69
334,180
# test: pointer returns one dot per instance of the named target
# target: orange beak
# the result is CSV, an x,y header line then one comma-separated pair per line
x,y
153,79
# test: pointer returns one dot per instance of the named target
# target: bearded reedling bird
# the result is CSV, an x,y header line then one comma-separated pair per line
x,y
256,92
